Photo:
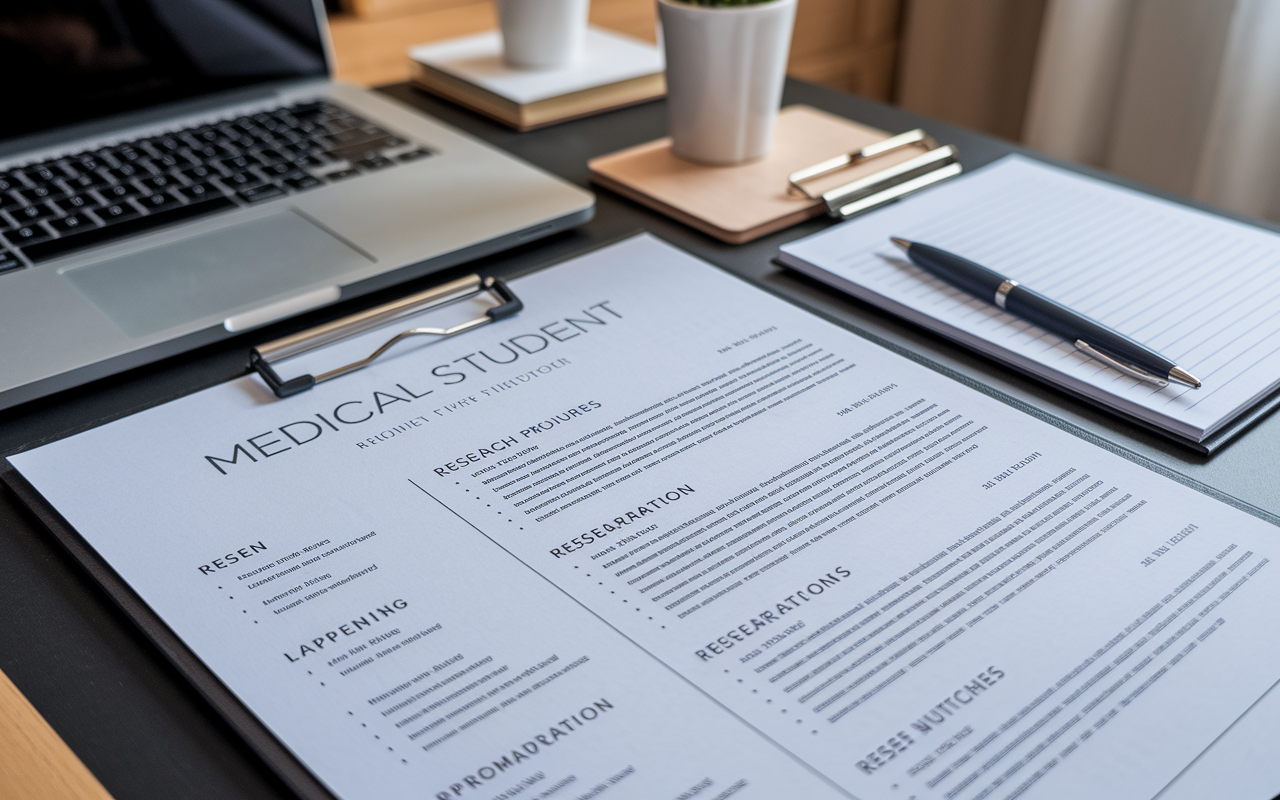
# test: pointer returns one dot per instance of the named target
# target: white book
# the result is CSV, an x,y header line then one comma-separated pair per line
x,y
607,58
1200,289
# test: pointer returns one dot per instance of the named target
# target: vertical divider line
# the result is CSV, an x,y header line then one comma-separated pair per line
x,y
801,762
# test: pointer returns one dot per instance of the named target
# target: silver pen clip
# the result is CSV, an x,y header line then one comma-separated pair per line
x,y
1120,366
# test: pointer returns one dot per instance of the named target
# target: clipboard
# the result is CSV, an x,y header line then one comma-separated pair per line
x,y
741,203
260,738
264,357
263,361
256,734
894,182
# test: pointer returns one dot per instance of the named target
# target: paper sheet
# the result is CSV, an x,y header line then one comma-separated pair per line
x,y
1202,290
663,535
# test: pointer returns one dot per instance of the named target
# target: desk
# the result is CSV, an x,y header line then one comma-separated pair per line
x,y
145,733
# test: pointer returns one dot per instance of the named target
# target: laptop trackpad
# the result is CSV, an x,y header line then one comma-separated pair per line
x,y
214,273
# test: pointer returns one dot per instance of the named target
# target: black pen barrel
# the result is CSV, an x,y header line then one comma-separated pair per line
x,y
1029,305
1072,325
961,273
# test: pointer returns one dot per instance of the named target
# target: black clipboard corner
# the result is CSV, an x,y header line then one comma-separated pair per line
x,y
260,739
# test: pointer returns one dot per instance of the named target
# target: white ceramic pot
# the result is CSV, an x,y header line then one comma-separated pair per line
x,y
725,68
542,34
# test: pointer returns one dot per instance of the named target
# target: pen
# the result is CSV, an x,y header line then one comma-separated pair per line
x,y
1108,346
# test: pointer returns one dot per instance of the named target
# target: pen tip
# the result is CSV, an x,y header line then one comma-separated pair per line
x,y
902,244
1182,376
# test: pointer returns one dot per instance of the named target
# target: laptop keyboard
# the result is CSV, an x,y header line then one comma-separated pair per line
x,y
61,205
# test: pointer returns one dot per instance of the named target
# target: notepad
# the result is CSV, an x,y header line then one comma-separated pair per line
x,y
1202,290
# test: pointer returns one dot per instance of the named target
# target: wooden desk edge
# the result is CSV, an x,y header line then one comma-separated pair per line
x,y
35,764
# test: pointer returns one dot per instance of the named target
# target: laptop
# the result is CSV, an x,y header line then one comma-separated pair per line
x,y
175,172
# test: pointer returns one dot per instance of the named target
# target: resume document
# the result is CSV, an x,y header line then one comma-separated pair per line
x,y
663,536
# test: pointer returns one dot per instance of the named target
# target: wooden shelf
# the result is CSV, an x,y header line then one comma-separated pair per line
x,y
35,764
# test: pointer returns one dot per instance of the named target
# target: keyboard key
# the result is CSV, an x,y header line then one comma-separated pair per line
x,y
71,169
8,182
116,212
27,234
306,109
86,237
375,162
287,140
87,162
35,194
158,183
157,201
72,223
276,170
118,191
74,202
414,155
342,174
87,181
302,182
9,262
25,215
199,191
241,180
235,163
259,193
125,171
196,174
41,173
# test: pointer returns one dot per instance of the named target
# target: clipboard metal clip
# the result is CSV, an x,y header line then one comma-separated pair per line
x,y
859,196
262,359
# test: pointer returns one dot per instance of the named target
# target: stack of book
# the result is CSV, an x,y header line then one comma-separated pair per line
x,y
614,71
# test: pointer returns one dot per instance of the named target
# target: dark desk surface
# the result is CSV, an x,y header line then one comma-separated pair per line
x,y
133,719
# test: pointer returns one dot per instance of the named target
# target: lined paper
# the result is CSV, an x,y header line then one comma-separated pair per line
x,y
1201,290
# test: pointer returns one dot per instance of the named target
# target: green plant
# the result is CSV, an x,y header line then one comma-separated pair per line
x,y
721,3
